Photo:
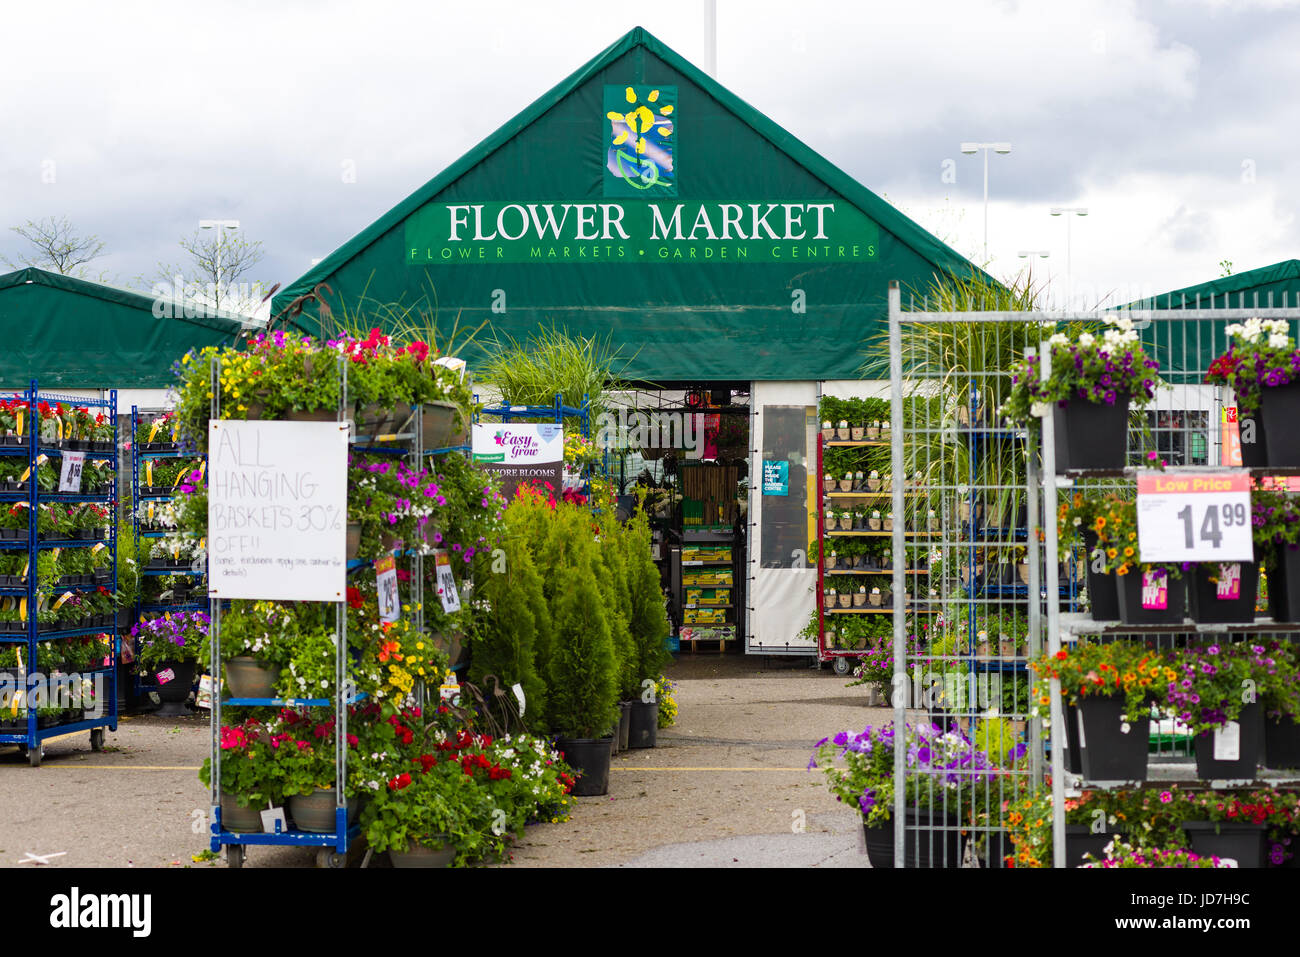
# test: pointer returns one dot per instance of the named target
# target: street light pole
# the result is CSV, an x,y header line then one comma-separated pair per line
x,y
1066,211
970,149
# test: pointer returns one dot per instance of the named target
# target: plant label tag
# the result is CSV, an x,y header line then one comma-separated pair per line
x,y
1227,742
165,676
70,476
447,593
518,689
1229,586
390,603
274,821
1194,516
1155,589
450,690
203,698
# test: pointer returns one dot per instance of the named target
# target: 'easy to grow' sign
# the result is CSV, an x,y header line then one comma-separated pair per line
x,y
277,510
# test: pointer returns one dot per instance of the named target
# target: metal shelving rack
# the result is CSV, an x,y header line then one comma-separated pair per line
x,y
842,658
332,846
32,741
138,460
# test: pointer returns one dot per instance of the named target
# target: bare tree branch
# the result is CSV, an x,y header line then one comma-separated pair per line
x,y
55,246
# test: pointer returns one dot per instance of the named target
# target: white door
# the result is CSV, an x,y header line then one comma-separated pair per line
x,y
782,516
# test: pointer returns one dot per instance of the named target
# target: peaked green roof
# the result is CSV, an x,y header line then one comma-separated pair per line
x,y
672,316
73,333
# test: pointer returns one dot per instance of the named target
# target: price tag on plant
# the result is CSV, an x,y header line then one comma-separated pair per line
x,y
1194,517
390,603
446,582
70,476
165,676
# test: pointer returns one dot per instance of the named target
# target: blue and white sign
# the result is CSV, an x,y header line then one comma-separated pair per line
x,y
776,478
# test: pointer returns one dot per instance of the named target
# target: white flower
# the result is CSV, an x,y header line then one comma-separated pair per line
x,y
1060,339
1124,728
1278,340
1040,410
1086,339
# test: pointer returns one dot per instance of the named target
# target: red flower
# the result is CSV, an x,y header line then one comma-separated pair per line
x,y
355,599
426,761
399,782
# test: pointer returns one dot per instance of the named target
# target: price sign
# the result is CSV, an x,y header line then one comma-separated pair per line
x,y
390,605
1194,517
70,476
446,582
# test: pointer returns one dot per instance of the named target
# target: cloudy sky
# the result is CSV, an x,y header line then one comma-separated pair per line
x,y
1174,123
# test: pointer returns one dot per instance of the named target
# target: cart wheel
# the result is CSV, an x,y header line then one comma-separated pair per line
x,y
331,860
97,739
842,665
35,754
235,855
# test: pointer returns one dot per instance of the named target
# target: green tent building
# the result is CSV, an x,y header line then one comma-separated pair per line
x,y
640,201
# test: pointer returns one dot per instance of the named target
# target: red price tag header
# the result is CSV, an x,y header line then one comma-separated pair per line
x,y
1160,483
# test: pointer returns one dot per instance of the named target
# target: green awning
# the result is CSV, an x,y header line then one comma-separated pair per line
x,y
727,249
1186,349
73,334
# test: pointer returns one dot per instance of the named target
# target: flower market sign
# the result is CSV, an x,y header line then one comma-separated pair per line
x,y
632,231
521,452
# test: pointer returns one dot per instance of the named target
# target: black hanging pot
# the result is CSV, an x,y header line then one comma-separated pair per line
x,y
1249,735
1238,841
1144,599
1281,742
1106,752
1091,435
1284,584
174,692
931,839
1080,839
1279,411
1215,598
590,758
643,726
1103,588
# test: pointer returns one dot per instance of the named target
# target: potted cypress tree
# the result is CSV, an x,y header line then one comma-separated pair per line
x,y
583,685
649,626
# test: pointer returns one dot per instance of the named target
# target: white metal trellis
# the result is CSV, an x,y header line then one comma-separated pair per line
x,y
943,403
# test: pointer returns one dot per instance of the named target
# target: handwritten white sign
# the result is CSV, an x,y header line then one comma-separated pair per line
x,y
277,510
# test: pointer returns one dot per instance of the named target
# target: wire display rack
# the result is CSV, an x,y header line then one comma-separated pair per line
x,y
35,679
997,495
332,847
156,446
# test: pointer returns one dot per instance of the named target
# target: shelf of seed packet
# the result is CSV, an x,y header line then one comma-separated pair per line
x,y
708,586
57,538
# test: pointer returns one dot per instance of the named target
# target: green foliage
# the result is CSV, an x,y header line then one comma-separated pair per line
x,y
648,619
583,688
552,361
506,634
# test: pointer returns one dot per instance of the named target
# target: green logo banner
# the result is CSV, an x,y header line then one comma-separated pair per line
x,y
663,231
